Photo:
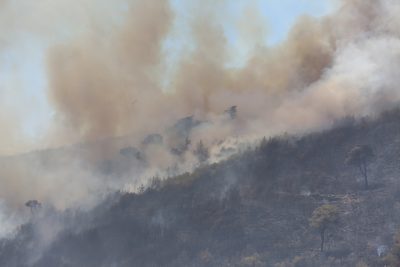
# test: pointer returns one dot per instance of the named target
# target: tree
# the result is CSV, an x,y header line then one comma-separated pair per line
x,y
131,152
232,112
33,205
141,189
393,258
202,152
361,156
155,183
323,218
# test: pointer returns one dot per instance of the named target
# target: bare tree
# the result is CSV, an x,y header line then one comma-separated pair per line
x,y
361,156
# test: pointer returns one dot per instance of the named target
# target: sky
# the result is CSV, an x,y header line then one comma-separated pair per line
x,y
23,78
281,15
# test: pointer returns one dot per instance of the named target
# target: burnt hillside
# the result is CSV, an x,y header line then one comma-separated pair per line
x,y
250,210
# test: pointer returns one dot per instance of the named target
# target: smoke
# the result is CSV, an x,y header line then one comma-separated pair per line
x,y
102,86
110,74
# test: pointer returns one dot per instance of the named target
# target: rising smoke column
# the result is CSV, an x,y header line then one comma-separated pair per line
x,y
111,87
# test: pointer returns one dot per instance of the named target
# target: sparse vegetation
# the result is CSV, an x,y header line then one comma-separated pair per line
x,y
254,209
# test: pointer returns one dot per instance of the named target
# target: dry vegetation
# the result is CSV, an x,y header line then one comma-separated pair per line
x,y
251,210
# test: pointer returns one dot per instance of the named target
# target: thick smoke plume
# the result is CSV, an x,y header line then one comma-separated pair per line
x,y
111,85
110,74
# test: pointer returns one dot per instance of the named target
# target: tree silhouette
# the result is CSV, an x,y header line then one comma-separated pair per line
x,y
361,156
232,112
33,205
324,218
201,152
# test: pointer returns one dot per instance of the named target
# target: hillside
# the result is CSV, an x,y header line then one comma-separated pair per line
x,y
250,210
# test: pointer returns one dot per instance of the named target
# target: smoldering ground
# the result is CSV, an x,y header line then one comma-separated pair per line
x,y
111,72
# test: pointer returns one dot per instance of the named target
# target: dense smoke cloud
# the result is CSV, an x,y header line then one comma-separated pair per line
x,y
102,83
111,78
107,86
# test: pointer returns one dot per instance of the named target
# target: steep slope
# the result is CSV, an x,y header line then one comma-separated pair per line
x,y
250,210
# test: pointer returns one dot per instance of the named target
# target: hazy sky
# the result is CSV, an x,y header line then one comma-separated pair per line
x,y
23,78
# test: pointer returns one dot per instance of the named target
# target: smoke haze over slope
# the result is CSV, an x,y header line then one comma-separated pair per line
x,y
109,74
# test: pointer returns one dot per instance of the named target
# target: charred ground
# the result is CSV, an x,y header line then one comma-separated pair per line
x,y
250,210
